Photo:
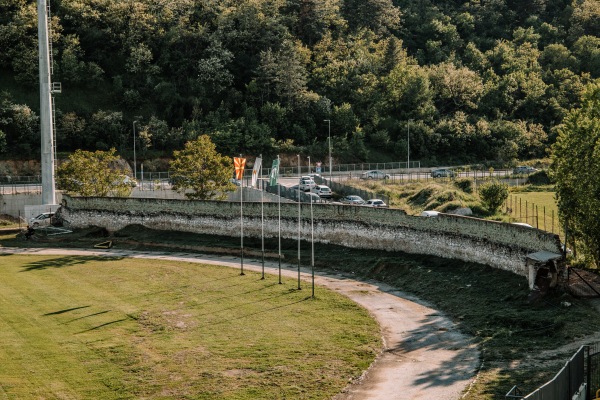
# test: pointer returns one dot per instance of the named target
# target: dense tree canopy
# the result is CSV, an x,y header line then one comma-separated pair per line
x,y
95,173
200,171
576,169
480,80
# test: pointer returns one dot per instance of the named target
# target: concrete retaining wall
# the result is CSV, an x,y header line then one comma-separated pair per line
x,y
496,244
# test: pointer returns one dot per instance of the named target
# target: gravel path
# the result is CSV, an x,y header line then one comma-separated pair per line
x,y
424,357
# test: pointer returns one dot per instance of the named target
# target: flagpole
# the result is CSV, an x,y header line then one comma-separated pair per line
x,y
262,218
242,219
312,240
279,211
312,248
299,178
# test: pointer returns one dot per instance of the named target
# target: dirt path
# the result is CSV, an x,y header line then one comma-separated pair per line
x,y
424,357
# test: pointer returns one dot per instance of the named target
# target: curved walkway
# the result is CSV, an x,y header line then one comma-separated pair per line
x,y
423,356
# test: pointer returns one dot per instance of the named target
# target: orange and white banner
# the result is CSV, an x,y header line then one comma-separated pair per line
x,y
240,164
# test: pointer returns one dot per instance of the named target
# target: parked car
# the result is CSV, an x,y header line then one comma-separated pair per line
x,y
522,224
375,203
323,191
311,197
524,169
430,213
442,173
352,199
374,174
306,183
42,219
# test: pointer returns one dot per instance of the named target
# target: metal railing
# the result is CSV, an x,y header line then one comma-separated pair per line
x,y
564,384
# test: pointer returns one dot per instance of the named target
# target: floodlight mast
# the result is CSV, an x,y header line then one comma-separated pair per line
x,y
46,125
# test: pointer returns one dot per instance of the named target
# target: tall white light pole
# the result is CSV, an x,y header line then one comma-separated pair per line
x,y
329,136
134,160
47,135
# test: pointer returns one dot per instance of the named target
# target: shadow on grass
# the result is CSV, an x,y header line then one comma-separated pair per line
x,y
261,311
85,316
250,302
103,325
64,262
66,310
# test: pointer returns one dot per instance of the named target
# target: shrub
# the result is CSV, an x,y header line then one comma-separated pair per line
x,y
493,194
464,184
539,178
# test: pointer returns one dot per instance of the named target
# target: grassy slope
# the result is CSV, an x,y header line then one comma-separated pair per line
x,y
489,304
79,327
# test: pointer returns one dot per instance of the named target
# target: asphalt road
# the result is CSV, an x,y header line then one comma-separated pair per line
x,y
423,357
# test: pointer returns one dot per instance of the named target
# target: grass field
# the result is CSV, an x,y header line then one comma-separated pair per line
x,y
538,209
93,328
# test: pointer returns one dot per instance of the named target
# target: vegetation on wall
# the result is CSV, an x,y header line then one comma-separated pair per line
x,y
472,81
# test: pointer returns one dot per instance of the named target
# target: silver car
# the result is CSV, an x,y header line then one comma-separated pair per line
x,y
323,191
352,199
374,174
378,203
442,173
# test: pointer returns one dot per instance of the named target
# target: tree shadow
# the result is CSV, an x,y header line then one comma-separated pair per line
x,y
62,262
434,334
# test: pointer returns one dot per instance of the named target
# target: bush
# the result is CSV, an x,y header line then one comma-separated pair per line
x,y
493,194
464,184
539,178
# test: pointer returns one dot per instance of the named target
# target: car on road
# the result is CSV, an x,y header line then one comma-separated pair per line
x,y
430,213
352,199
524,169
306,183
311,197
378,203
323,191
42,219
442,173
374,174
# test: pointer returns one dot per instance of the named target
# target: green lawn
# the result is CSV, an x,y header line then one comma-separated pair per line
x,y
538,209
94,328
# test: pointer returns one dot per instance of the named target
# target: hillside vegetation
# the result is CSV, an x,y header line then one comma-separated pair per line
x,y
470,81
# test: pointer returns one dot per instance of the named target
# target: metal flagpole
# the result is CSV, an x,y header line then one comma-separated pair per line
x,y
242,216
262,219
279,212
312,246
299,178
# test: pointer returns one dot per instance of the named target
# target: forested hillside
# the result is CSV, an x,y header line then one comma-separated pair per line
x,y
480,80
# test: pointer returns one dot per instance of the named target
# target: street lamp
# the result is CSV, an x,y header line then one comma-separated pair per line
x,y
134,163
329,136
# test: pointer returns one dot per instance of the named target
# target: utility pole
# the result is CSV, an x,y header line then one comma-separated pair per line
x,y
329,136
46,123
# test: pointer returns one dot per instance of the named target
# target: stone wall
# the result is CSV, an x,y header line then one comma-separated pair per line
x,y
496,244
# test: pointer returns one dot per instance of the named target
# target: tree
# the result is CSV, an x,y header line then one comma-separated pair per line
x,y
576,171
94,174
493,194
201,169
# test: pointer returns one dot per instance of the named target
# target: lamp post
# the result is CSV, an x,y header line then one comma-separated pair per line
x,y
134,161
329,136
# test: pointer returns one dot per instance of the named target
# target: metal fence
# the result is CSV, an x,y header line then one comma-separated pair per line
x,y
567,382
